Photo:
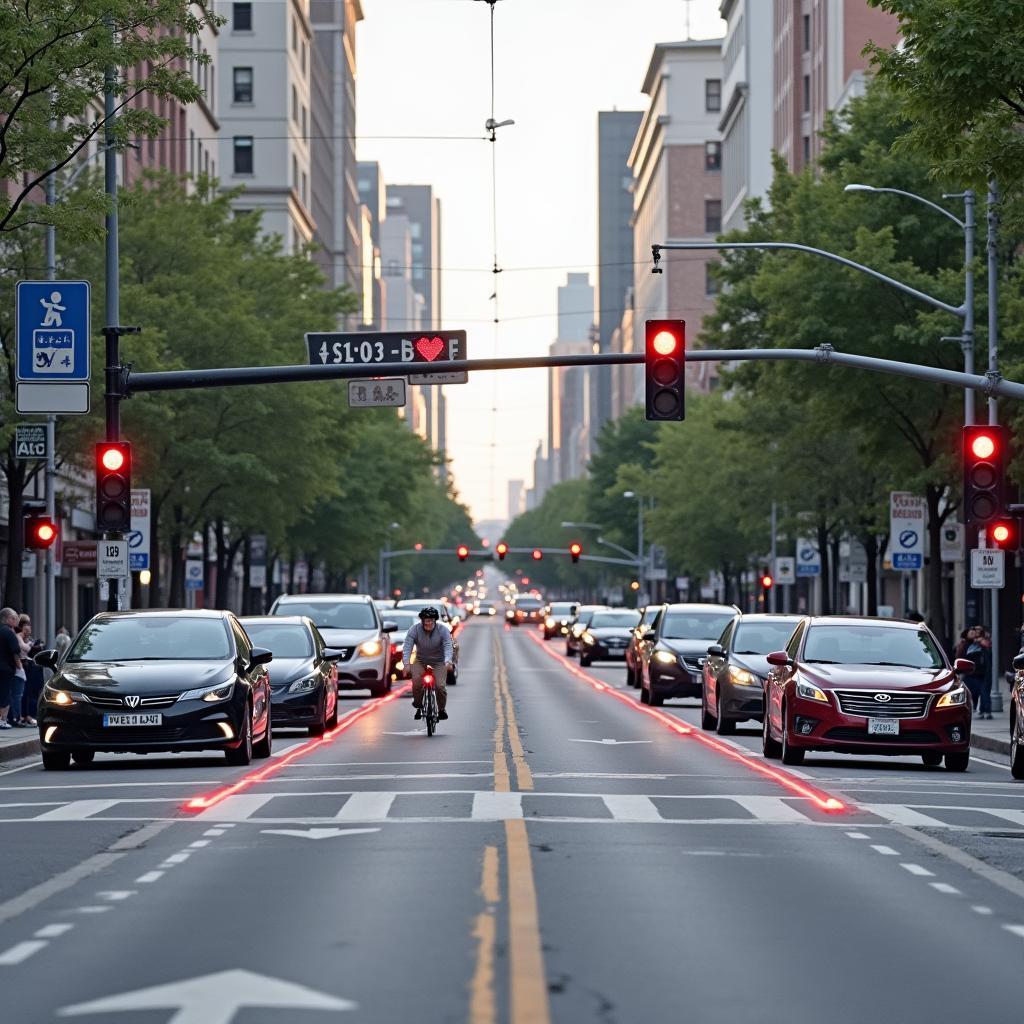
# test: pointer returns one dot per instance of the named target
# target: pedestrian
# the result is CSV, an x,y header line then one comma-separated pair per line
x,y
10,661
977,678
33,672
985,701
62,641
960,651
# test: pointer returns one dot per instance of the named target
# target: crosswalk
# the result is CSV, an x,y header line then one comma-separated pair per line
x,y
465,805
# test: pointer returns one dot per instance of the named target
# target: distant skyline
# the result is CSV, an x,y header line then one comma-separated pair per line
x,y
424,70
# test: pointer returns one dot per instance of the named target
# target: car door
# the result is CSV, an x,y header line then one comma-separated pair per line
x,y
779,678
715,666
258,679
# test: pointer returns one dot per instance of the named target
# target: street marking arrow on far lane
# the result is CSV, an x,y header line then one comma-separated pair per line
x,y
317,833
610,743
213,998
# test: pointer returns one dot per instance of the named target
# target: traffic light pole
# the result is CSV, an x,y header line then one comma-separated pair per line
x,y
48,627
993,405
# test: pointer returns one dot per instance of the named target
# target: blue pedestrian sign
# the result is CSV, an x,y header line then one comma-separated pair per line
x,y
52,331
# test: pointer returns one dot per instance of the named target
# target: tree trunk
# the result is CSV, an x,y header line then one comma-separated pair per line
x,y
155,578
870,542
826,575
176,589
248,597
834,546
936,607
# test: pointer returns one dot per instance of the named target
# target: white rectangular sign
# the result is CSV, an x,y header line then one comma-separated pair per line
x,y
808,558
138,539
386,392
111,559
951,542
785,570
988,568
58,397
906,530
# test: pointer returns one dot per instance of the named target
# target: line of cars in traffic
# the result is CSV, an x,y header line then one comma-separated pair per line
x,y
841,684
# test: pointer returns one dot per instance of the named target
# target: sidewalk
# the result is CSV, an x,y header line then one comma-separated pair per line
x,y
993,735
17,743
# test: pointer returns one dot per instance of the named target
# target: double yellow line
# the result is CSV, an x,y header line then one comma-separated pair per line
x,y
528,990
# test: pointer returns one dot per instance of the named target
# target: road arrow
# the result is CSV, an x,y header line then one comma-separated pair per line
x,y
317,833
611,743
213,998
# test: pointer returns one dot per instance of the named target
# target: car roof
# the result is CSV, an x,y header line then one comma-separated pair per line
x,y
169,613
770,616
697,606
863,620
635,611
340,598
277,620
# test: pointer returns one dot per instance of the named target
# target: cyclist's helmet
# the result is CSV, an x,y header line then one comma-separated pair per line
x,y
429,613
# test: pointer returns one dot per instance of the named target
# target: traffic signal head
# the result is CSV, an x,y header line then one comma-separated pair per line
x,y
985,453
501,550
665,369
113,486
537,554
766,581
463,552
1005,534
40,531
575,550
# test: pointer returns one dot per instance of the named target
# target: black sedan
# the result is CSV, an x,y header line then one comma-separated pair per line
x,y
304,679
607,635
737,667
145,681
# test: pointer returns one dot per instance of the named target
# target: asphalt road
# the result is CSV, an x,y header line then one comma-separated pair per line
x,y
555,853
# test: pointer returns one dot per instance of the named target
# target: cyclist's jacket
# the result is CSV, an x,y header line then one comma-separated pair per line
x,y
433,648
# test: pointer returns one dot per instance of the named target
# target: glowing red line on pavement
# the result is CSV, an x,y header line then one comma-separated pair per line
x,y
203,803
820,799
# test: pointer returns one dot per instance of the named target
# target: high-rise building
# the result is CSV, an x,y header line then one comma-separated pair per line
x,y
677,195
516,498
616,130
819,66
370,185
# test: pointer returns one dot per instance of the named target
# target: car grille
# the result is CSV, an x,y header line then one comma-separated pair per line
x,y
142,734
164,701
905,738
898,705
693,664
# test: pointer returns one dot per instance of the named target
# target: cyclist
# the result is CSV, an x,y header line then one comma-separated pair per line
x,y
432,641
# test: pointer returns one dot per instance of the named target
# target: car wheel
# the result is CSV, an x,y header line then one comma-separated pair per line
x,y
379,689
931,759
770,747
242,754
629,676
584,661
645,694
83,756
790,755
726,726
56,760
266,744
319,729
333,720
654,699
958,762
707,720
1016,756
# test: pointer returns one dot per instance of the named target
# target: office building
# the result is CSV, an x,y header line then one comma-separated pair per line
x,y
370,185
516,498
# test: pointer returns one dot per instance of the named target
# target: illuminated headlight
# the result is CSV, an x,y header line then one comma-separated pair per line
x,y
304,685
62,698
953,699
576,630
587,638
371,648
549,622
809,692
665,657
742,677
210,694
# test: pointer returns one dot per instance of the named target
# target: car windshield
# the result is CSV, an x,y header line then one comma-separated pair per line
x,y
762,636
153,638
332,614
694,625
871,644
650,614
625,620
284,641
562,608
402,619
528,604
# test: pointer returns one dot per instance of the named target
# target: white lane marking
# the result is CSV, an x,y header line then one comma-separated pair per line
x,y
11,771
916,869
94,910
984,911
605,775
371,764
497,806
20,952
885,851
857,835
116,895
632,808
77,810
235,808
63,787
317,833
379,778
214,832
1016,817
994,764
612,743
945,887
53,931
149,876
199,844
366,807
1016,929
226,824
770,808
900,814
281,751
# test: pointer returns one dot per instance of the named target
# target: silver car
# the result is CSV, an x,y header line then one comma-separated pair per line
x,y
351,624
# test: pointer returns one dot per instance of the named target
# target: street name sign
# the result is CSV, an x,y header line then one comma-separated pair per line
x,y
988,568
906,530
111,559
30,441
385,392
418,349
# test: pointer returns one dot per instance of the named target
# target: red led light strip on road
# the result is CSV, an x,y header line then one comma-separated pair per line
x,y
821,800
203,803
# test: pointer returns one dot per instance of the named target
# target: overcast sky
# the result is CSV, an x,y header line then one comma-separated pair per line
x,y
424,69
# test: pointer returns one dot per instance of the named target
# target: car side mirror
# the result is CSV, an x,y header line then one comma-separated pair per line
x,y
965,667
1018,662
647,633
47,659
332,654
260,656
389,627
716,651
779,658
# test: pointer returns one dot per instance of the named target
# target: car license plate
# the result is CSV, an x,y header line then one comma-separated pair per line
x,y
883,727
150,719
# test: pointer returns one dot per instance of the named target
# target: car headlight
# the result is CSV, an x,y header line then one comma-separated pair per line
x,y
742,677
588,638
953,699
304,685
810,692
371,648
62,698
210,694
549,622
665,657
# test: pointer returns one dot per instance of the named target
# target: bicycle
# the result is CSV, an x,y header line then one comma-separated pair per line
x,y
429,702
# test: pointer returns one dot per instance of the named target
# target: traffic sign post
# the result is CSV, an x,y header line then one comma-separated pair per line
x,y
417,350
112,559
808,557
906,530
30,441
139,537
988,568
785,571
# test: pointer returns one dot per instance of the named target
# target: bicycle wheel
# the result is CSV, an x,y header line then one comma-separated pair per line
x,y
431,712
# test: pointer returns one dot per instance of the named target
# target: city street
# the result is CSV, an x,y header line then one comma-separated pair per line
x,y
556,852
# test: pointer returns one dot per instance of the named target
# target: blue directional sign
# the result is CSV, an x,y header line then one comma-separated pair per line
x,y
52,331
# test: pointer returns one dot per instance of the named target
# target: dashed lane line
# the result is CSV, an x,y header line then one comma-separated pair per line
x,y
21,951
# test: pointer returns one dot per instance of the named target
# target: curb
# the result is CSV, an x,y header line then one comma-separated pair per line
x,y
18,749
980,741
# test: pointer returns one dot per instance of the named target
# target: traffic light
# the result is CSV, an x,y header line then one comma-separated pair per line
x,y
985,452
113,486
575,550
40,531
766,581
501,550
537,554
1005,534
463,552
665,369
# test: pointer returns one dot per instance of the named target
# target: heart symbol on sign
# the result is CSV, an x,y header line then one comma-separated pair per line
x,y
430,348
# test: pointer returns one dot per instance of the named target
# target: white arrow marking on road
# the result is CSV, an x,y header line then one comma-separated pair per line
x,y
610,743
213,998
317,833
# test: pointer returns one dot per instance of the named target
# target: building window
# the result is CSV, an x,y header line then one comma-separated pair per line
x,y
303,122
303,58
712,216
712,156
305,188
391,269
241,17
710,279
242,84
243,154
807,149
295,173
295,105
295,35
712,95
807,94
807,33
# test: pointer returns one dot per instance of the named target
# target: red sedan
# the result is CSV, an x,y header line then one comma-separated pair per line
x,y
866,686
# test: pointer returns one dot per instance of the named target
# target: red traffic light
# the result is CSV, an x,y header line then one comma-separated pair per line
x,y
537,554
114,486
501,549
1005,534
665,343
983,446
575,550
40,531
985,455
463,552
112,458
767,582
665,369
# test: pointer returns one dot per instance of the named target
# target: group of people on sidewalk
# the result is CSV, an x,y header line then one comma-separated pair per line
x,y
21,679
975,644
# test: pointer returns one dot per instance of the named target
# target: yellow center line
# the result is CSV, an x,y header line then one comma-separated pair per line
x,y
524,777
482,1005
502,780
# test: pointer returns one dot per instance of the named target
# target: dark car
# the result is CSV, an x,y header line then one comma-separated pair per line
x,y
858,685
737,667
607,635
578,623
149,681
673,649
527,609
404,619
1017,719
557,617
304,679
647,617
